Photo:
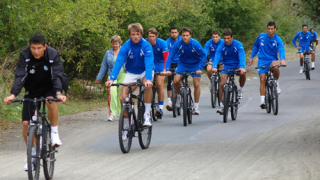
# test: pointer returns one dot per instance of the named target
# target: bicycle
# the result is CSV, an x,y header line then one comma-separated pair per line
x,y
175,111
215,88
271,97
39,135
129,124
306,65
230,96
154,102
186,98
312,45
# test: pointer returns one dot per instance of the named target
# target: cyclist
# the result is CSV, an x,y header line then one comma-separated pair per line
x,y
304,45
211,47
174,37
39,70
137,55
191,58
233,55
160,53
267,46
114,92
314,37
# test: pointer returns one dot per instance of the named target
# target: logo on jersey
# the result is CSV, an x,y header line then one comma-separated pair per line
x,y
262,44
131,56
158,49
273,44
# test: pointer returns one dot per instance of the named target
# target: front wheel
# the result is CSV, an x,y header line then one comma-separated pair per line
x,y
184,106
49,154
213,91
267,98
190,107
33,153
145,136
307,69
235,103
173,100
226,100
154,105
125,129
274,99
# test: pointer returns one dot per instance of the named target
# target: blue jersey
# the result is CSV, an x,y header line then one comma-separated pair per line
x,y
170,44
211,48
138,57
304,39
268,48
191,55
233,54
314,35
159,48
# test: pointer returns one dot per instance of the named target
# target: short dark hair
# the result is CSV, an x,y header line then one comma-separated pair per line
x,y
227,32
304,25
186,29
37,39
271,24
173,27
311,29
215,32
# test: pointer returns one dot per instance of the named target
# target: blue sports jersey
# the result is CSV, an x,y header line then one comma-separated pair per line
x,y
304,39
139,58
170,44
268,48
211,48
191,55
159,48
314,35
233,55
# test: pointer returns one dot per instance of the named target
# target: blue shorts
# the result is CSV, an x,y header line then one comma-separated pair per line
x,y
158,67
307,49
181,69
229,67
263,63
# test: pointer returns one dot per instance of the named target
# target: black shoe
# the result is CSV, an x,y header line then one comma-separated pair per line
x,y
263,106
312,68
159,113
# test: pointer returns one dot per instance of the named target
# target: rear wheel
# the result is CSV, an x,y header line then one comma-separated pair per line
x,y
226,100
185,106
154,105
268,99
49,154
235,103
125,129
33,159
173,100
274,99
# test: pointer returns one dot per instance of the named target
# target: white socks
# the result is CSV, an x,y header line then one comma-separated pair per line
x,y
148,108
312,64
196,104
54,129
160,106
240,88
262,98
221,104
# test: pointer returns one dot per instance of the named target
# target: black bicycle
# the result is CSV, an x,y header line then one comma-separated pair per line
x,y
312,45
215,87
154,102
306,65
186,98
175,111
271,97
230,95
39,135
129,123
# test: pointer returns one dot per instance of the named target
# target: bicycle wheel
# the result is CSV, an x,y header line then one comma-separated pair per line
x,y
190,106
235,103
226,100
267,99
145,136
33,160
48,153
274,99
125,129
185,106
173,100
213,92
154,105
307,70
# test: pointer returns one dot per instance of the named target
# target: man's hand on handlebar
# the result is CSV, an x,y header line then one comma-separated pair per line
x,y
109,83
8,99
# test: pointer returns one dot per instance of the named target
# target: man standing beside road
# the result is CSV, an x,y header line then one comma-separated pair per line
x,y
267,46
233,55
304,38
191,58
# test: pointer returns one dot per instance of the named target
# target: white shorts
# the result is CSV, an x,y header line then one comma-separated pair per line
x,y
131,78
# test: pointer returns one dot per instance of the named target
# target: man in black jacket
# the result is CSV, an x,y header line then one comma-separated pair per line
x,y
40,71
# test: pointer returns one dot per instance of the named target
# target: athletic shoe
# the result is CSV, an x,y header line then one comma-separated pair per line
x,y
278,89
301,70
55,139
26,165
220,111
312,68
111,118
169,106
263,105
159,113
195,110
124,135
147,121
240,94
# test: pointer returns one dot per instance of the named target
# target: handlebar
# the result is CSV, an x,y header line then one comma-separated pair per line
x,y
35,99
128,85
229,70
263,67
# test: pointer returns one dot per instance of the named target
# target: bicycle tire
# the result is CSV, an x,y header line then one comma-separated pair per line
x,y
145,134
267,99
173,100
185,106
218,90
190,106
125,145
275,102
307,70
213,92
226,99
154,106
235,104
48,158
33,165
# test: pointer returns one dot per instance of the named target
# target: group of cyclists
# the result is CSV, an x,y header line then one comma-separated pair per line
x,y
40,69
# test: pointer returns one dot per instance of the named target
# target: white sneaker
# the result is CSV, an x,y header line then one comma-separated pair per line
x,y
25,167
278,89
240,94
55,139
124,135
169,105
111,118
147,121
301,70
195,110
220,110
